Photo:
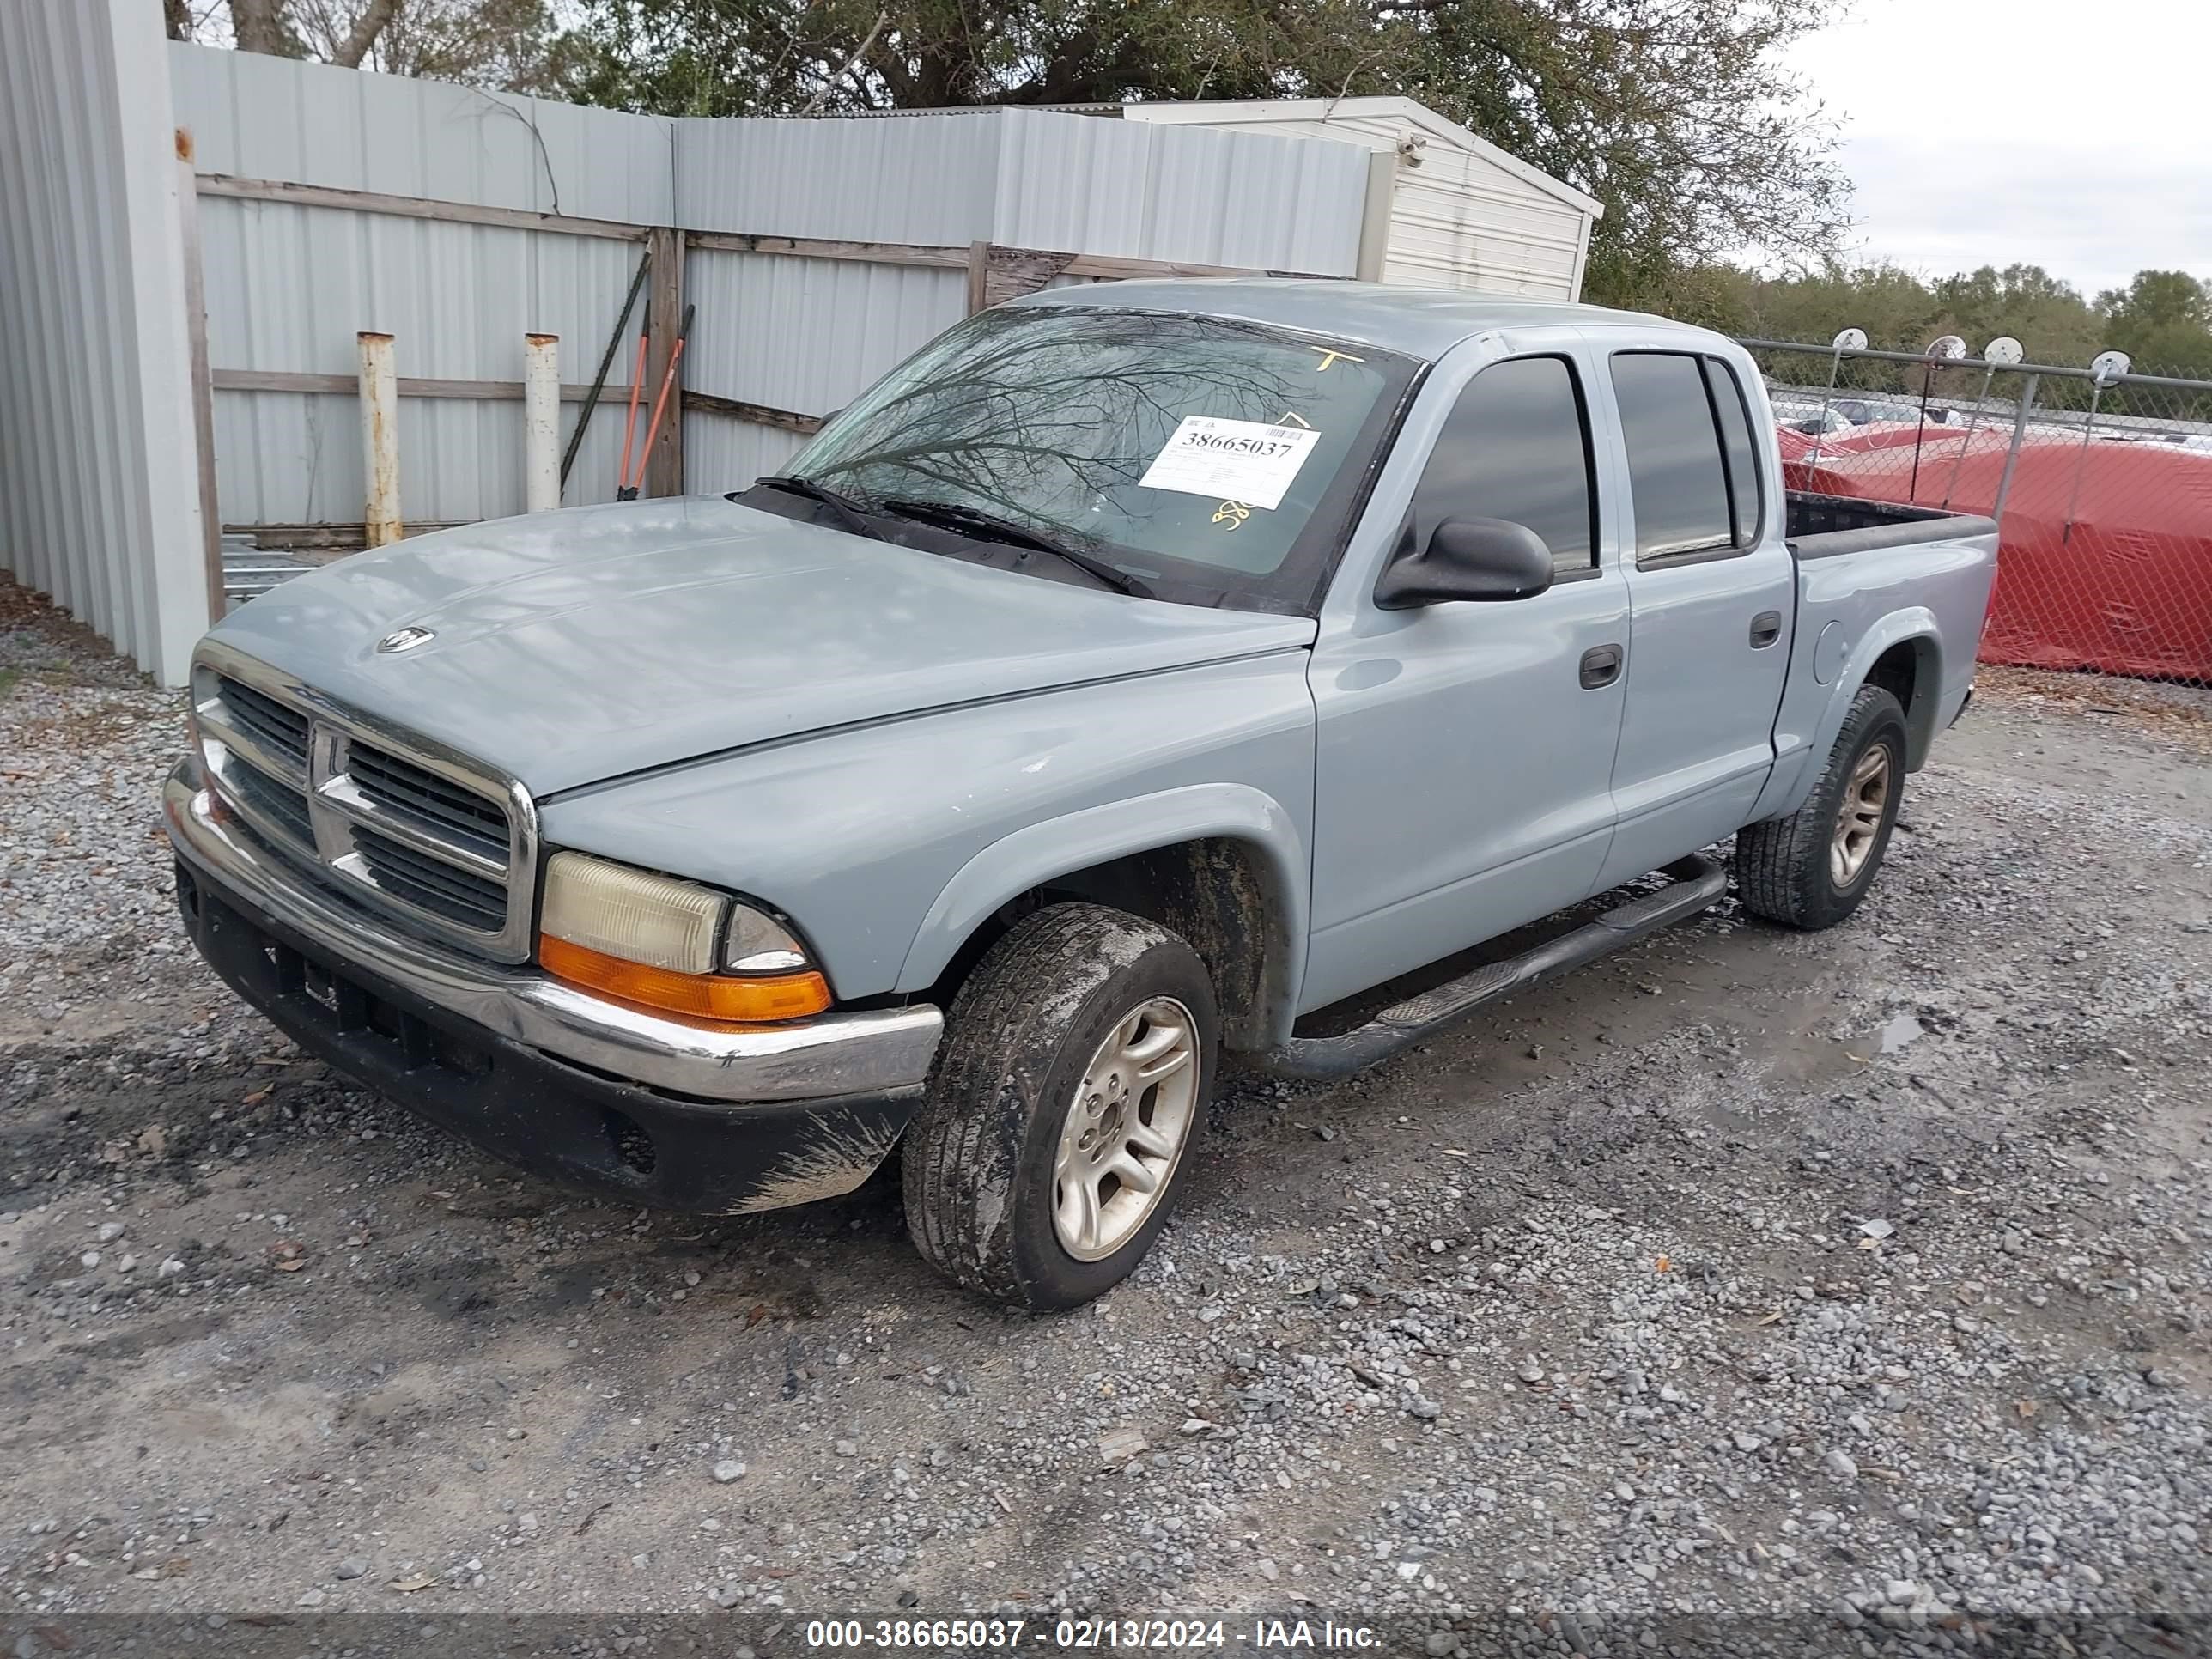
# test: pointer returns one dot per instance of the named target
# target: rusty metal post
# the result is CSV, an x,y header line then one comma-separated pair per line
x,y
541,423
379,439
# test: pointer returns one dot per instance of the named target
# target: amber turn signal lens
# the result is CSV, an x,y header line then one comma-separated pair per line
x,y
717,998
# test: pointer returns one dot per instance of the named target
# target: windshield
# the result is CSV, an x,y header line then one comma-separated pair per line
x,y
1218,461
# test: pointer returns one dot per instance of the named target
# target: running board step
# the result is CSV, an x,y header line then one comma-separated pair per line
x,y
1699,884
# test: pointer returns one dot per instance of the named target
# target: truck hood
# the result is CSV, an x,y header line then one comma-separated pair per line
x,y
569,647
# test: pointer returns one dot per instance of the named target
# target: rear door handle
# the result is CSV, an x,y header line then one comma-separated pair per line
x,y
1766,628
1600,667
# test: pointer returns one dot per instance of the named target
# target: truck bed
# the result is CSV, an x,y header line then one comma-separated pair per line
x,y
1872,576
1827,527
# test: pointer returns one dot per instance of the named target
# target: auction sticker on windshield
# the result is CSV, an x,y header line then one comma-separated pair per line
x,y
1246,461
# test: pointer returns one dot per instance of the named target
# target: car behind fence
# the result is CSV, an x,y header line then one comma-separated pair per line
x,y
2100,480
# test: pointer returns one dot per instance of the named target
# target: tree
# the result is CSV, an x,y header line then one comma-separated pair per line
x,y
2048,317
2163,320
2159,300
516,45
513,45
1675,113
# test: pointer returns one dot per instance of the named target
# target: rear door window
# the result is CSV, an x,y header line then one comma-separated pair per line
x,y
1677,479
1737,449
1517,446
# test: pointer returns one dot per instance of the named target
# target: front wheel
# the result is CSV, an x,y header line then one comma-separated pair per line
x,y
1063,1108
1813,869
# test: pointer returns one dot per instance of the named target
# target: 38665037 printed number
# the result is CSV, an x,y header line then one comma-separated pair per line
x,y
923,1634
930,1634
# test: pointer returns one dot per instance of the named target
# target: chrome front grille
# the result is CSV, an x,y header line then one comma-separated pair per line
x,y
280,731
393,821
421,796
470,901
272,803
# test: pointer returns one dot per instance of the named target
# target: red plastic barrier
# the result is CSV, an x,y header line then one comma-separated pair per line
x,y
2119,580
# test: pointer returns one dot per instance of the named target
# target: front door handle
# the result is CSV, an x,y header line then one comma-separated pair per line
x,y
1600,667
1766,628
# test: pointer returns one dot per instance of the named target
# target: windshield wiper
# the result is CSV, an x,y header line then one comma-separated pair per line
x,y
846,511
954,516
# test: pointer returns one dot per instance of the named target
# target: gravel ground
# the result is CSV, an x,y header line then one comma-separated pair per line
x,y
1857,1281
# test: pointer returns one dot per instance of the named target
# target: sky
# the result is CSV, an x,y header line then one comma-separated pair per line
x,y
2076,135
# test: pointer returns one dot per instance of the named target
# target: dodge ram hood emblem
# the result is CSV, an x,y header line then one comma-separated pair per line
x,y
405,639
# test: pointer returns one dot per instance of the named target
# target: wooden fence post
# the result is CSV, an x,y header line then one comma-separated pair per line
x,y
979,276
664,467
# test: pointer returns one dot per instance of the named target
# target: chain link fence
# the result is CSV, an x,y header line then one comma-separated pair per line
x,y
2101,485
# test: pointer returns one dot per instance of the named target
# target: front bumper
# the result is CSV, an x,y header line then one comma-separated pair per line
x,y
535,1072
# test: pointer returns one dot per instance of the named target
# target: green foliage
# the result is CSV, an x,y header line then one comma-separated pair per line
x,y
1674,113
514,45
2162,319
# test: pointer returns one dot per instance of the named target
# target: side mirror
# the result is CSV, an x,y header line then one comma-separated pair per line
x,y
1480,559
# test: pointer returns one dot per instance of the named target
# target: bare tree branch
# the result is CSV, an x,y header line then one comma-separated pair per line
x,y
371,24
814,103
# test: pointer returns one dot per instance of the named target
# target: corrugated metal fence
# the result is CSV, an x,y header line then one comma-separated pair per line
x,y
807,335
289,284
794,333
99,498
318,202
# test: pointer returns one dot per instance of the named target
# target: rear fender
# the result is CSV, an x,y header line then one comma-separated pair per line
x,y
1792,781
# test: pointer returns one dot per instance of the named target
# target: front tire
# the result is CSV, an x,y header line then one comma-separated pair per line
x,y
1812,869
1064,1107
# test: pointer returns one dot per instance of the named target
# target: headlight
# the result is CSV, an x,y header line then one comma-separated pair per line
x,y
671,945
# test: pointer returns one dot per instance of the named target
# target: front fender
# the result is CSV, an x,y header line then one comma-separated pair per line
x,y
1809,723
1037,853
873,838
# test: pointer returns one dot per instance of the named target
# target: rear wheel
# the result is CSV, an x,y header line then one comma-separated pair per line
x,y
1813,869
1067,1097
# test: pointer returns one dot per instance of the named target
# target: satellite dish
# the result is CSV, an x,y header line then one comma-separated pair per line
x,y
2106,366
1947,345
1851,339
2004,351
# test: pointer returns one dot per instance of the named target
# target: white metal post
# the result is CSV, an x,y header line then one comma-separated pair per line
x,y
541,423
379,433
138,315
1375,218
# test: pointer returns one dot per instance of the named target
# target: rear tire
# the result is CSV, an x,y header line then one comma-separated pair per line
x,y
1812,869
1081,1050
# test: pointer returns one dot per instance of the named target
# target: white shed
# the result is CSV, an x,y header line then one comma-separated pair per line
x,y
1448,209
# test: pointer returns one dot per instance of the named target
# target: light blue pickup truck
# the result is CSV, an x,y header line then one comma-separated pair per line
x,y
1135,670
